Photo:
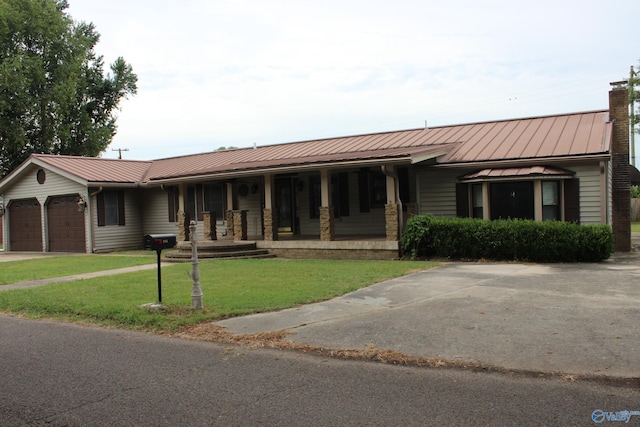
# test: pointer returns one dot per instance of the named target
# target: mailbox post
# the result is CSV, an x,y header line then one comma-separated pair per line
x,y
159,242
196,293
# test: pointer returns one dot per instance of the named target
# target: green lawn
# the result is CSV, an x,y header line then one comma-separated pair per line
x,y
44,268
635,227
230,288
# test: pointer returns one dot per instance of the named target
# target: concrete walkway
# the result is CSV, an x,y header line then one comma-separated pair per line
x,y
577,319
91,275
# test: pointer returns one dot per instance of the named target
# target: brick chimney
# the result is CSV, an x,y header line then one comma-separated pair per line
x,y
620,174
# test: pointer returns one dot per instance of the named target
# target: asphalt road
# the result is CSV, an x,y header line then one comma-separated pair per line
x,y
58,374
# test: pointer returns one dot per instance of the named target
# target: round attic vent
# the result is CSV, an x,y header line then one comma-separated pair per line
x,y
41,176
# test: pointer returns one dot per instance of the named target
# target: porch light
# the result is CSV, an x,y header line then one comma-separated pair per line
x,y
82,204
1,210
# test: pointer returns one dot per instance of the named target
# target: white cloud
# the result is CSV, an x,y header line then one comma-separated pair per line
x,y
220,73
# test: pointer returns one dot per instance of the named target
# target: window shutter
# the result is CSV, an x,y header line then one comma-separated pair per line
x,y
171,196
101,215
462,200
121,220
363,189
572,200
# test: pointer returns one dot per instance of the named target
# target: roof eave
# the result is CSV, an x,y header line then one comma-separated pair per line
x,y
278,169
526,161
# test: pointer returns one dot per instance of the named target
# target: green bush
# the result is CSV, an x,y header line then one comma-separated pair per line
x,y
518,240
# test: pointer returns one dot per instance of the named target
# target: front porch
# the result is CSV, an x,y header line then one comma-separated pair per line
x,y
342,247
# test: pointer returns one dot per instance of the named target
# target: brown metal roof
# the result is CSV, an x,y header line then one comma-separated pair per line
x,y
97,170
576,134
536,138
517,172
552,136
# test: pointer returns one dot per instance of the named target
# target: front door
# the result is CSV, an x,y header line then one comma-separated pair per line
x,y
286,205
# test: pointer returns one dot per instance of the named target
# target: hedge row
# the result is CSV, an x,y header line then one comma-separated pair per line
x,y
519,240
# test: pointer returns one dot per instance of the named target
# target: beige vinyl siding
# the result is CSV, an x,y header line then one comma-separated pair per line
x,y
437,192
252,204
54,185
118,237
591,202
155,211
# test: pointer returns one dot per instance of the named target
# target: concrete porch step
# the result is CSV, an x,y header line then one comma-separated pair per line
x,y
211,249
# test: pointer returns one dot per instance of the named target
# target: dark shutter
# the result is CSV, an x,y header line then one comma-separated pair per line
x,y
363,189
101,215
172,206
121,220
403,183
572,200
462,200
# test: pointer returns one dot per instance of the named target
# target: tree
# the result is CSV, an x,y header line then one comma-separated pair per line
x,y
54,95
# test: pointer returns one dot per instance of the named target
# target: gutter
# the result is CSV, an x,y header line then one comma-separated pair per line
x,y
93,231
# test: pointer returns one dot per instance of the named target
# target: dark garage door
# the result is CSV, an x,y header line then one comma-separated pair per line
x,y
65,225
25,226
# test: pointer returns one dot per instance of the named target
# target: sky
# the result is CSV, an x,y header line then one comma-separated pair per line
x,y
218,73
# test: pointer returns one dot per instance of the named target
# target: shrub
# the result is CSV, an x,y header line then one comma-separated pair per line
x,y
519,240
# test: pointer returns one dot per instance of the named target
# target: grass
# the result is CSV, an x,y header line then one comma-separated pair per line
x,y
47,267
230,288
635,227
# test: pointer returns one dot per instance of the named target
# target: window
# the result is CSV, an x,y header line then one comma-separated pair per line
x,y
110,208
339,195
214,199
478,206
378,189
511,200
550,201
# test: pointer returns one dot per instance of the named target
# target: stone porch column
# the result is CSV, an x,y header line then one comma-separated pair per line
x,y
230,225
270,225
239,225
209,222
392,221
327,221
269,217
183,226
327,231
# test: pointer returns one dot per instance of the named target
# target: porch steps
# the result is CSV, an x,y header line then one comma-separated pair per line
x,y
208,249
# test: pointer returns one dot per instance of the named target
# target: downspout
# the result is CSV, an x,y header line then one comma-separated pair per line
x,y
93,229
396,184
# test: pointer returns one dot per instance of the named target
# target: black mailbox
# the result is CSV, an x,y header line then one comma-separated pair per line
x,y
159,241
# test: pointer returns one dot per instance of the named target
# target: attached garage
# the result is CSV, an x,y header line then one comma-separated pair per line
x,y
65,224
25,225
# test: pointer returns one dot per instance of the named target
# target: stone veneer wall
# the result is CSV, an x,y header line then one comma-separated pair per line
x,y
240,225
327,231
392,221
209,223
270,225
230,227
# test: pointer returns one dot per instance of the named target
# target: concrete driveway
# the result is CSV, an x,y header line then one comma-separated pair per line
x,y
569,318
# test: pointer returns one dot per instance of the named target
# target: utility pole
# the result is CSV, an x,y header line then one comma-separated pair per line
x,y
120,150
632,117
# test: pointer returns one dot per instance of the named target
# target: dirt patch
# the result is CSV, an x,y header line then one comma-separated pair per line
x,y
276,340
